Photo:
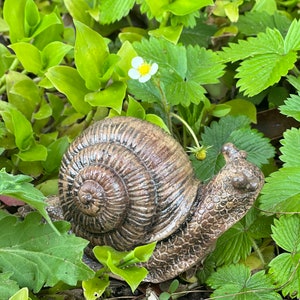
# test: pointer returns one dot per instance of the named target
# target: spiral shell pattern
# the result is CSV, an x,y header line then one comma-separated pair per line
x,y
126,182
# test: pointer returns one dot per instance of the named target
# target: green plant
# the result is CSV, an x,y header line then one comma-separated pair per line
x,y
217,63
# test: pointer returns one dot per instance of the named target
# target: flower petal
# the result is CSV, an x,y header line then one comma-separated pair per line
x,y
137,61
144,78
134,74
153,69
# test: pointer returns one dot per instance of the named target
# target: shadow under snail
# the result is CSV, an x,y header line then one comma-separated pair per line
x,y
125,182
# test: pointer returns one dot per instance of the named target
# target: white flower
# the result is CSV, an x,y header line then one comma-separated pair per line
x,y
142,70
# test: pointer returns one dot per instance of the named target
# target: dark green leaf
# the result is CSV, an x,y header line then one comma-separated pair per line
x,y
40,256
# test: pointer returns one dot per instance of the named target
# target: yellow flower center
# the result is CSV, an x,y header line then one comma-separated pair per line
x,y
144,69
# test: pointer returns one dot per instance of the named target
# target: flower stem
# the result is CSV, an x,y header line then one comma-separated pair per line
x,y
188,128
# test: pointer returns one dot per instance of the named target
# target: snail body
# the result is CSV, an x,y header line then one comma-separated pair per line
x,y
125,182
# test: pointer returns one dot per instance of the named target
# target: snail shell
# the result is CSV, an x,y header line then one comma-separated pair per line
x,y
125,182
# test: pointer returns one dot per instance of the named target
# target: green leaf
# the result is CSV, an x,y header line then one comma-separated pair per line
x,y
22,89
242,107
112,96
40,256
286,233
54,53
184,7
182,71
265,70
79,10
14,16
19,186
290,148
91,53
132,275
236,282
95,287
32,17
20,127
253,22
269,42
281,193
284,268
114,10
231,129
22,294
68,81
170,33
36,152
6,59
292,38
123,263
135,109
7,286
291,107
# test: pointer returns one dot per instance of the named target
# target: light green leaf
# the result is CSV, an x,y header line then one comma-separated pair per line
x,y
290,148
29,56
265,5
112,96
7,286
135,109
14,16
291,107
40,256
54,53
22,294
32,17
123,263
91,53
294,81
68,81
36,152
19,187
6,59
22,89
170,33
286,232
236,282
265,70
285,271
45,111
281,193
292,39
46,22
269,42
284,268
184,7
95,287
20,127
114,10
79,11
220,110
155,119
242,107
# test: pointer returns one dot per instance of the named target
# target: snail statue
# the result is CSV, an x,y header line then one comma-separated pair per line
x,y
125,182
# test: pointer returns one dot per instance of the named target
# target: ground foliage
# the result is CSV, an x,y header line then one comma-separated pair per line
x,y
64,64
